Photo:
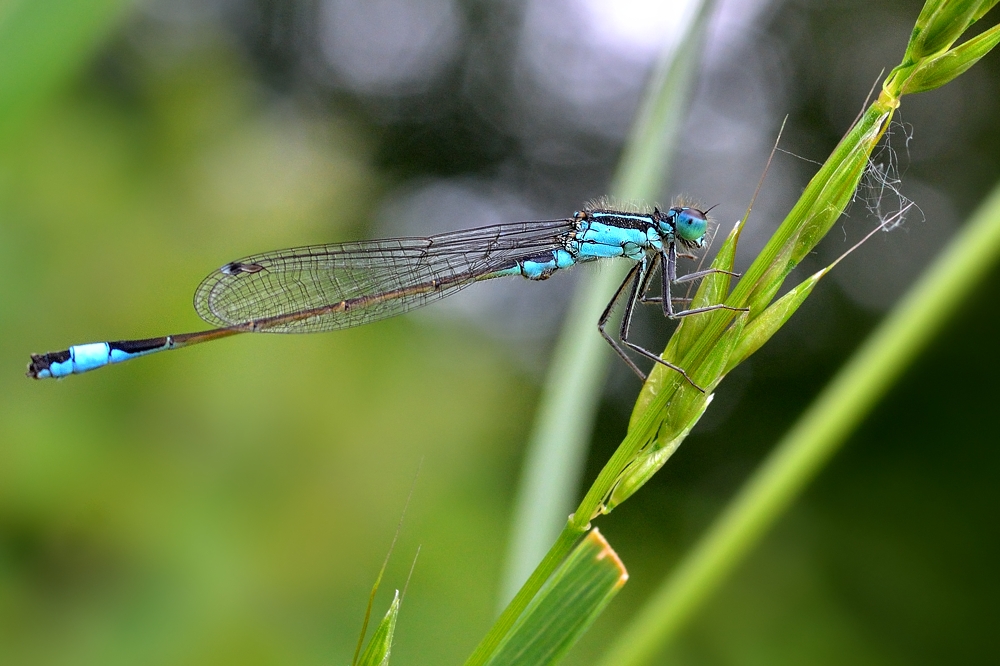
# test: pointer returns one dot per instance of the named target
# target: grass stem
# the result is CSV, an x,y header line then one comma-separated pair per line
x,y
816,437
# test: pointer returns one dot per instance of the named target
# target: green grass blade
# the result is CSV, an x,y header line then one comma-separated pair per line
x,y
940,23
557,444
668,403
984,7
569,602
947,66
380,646
816,436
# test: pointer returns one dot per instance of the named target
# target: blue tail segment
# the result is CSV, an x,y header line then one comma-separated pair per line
x,y
336,286
83,358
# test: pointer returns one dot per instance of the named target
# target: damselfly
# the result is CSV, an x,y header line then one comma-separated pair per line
x,y
329,287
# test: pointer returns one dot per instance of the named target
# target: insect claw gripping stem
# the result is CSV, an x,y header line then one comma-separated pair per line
x,y
635,282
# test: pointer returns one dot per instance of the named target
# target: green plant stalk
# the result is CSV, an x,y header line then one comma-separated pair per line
x,y
817,435
709,346
567,604
553,558
557,445
668,405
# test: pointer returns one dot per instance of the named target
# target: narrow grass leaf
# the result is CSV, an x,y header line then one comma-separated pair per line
x,y
761,328
984,7
566,605
816,436
940,23
950,64
669,405
380,645
649,462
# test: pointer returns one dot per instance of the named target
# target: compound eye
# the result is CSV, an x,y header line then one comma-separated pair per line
x,y
690,224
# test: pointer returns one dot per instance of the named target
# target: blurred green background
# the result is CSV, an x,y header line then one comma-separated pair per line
x,y
232,503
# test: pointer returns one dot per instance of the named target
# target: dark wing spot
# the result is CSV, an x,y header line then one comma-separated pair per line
x,y
237,267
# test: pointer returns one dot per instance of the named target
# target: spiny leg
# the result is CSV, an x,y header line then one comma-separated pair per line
x,y
636,278
623,335
631,279
646,299
688,277
669,275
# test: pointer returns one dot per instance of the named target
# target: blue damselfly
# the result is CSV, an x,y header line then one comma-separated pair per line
x,y
329,287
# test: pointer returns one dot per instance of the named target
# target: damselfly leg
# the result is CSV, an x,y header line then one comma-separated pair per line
x,y
669,276
635,285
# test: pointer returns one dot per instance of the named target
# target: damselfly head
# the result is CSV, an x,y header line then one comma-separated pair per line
x,y
687,224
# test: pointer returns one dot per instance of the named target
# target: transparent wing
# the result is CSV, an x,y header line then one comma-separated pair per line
x,y
328,287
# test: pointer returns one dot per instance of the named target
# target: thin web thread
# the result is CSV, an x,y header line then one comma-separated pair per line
x,y
880,189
